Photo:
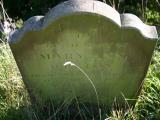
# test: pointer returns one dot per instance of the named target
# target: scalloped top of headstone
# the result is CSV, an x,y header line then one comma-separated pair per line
x,y
38,23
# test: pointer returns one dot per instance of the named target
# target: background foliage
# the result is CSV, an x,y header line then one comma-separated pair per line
x,y
148,10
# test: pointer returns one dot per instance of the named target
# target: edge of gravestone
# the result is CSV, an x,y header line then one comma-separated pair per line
x,y
124,21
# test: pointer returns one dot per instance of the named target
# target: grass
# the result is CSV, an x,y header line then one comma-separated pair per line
x,y
13,95
15,103
148,105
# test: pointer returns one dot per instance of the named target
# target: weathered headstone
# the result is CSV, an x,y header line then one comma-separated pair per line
x,y
84,49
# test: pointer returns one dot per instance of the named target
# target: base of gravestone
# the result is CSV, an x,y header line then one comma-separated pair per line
x,y
75,109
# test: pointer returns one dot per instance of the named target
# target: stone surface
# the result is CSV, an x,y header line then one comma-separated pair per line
x,y
113,50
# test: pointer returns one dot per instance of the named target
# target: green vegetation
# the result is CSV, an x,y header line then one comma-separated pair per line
x,y
13,95
14,99
147,10
148,105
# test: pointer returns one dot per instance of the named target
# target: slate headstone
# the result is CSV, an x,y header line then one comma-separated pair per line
x,y
84,49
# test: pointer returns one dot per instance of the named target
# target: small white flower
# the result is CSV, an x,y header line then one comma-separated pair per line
x,y
7,28
69,63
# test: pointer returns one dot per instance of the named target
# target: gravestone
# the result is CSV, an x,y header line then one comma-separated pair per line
x,y
84,49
